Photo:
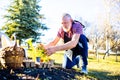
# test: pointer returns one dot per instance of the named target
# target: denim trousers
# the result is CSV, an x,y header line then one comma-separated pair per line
x,y
68,64
82,52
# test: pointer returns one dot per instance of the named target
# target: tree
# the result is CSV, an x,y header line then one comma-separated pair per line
x,y
23,19
113,18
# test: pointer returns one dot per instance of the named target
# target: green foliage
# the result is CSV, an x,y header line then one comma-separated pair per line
x,y
37,51
23,18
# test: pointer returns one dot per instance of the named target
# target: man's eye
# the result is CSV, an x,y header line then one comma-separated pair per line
x,y
64,22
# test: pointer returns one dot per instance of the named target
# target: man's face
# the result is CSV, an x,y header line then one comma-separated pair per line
x,y
66,24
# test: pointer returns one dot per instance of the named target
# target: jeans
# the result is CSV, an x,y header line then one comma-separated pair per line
x,y
68,64
78,50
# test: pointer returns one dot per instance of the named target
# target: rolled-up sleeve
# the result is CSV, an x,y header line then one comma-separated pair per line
x,y
60,33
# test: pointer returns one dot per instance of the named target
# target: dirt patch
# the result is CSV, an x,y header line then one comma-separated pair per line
x,y
56,73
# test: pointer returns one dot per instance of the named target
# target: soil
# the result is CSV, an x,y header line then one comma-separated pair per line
x,y
54,73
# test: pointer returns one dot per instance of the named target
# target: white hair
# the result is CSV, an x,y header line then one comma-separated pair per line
x,y
66,15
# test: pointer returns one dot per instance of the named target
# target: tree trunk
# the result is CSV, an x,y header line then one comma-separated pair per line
x,y
116,52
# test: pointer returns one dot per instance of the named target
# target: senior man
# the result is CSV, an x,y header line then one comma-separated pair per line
x,y
75,43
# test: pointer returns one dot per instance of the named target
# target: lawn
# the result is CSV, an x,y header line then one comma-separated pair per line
x,y
99,69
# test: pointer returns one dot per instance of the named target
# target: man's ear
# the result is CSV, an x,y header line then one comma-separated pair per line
x,y
71,20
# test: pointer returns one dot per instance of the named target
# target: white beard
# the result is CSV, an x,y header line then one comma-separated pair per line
x,y
66,30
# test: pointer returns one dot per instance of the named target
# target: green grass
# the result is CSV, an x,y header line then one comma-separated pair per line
x,y
99,69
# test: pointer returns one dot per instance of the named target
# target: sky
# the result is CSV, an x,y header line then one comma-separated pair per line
x,y
53,10
89,10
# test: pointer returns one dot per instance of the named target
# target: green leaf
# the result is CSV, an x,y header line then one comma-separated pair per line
x,y
23,18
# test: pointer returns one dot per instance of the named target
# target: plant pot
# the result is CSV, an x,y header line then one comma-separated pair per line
x,y
45,65
32,64
26,64
52,62
37,59
41,65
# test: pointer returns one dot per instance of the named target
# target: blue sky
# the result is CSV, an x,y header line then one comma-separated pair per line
x,y
89,10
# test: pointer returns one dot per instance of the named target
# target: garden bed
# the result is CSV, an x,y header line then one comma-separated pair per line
x,y
54,73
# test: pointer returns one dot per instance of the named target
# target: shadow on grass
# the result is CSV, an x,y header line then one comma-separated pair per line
x,y
103,75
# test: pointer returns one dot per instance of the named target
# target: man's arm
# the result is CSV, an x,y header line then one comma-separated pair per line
x,y
53,43
68,45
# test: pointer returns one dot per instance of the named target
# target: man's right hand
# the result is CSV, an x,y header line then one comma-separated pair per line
x,y
46,48
50,50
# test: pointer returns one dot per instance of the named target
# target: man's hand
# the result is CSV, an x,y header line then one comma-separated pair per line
x,y
50,50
